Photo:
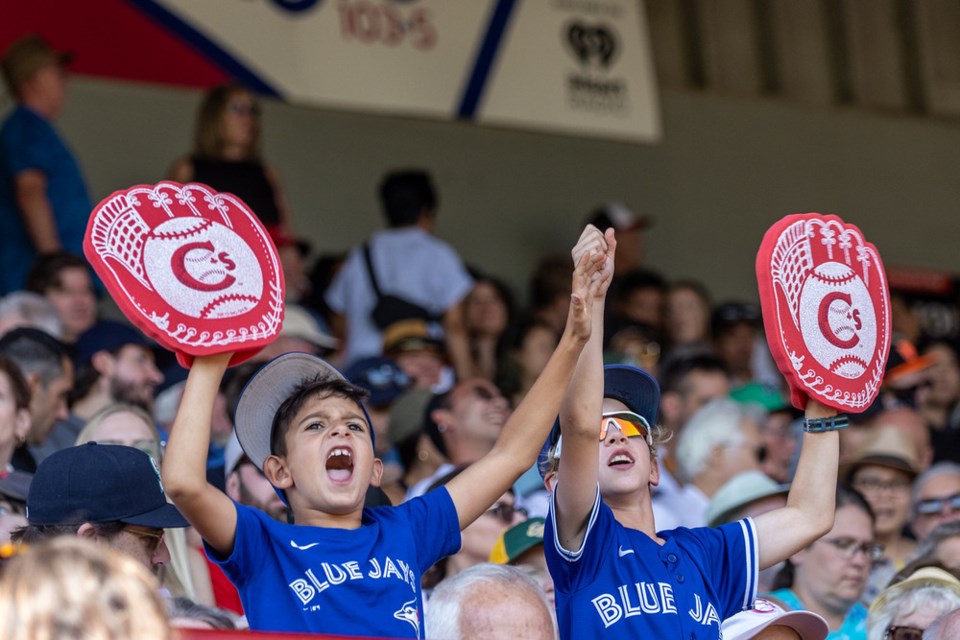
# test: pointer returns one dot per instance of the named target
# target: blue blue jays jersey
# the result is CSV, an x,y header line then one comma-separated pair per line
x,y
622,584
363,582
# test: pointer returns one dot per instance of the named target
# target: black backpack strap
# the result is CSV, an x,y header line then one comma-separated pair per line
x,y
373,277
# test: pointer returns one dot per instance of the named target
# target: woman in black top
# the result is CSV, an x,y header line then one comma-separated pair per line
x,y
226,154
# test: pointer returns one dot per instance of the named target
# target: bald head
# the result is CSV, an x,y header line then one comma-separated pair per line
x,y
499,602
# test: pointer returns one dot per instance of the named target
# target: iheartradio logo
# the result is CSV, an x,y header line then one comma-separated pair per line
x,y
826,310
193,268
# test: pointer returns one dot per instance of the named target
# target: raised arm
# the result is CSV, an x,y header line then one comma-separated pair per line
x,y
580,412
207,508
811,502
479,486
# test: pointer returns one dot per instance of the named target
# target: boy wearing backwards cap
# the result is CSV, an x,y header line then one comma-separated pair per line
x,y
342,568
616,576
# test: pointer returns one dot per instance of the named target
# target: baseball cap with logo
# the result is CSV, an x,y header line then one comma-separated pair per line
x,y
100,483
517,540
25,57
747,624
381,377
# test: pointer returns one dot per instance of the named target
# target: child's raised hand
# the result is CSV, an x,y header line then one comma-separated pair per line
x,y
590,278
593,241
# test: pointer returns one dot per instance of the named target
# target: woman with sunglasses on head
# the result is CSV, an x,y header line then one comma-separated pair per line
x,y
226,155
616,575
829,576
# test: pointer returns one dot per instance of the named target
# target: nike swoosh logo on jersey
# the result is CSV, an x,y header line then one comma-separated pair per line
x,y
304,547
624,552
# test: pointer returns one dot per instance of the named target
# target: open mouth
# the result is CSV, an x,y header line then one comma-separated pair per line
x,y
340,465
620,459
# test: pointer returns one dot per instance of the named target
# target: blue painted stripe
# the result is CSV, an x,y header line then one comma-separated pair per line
x,y
485,56
211,50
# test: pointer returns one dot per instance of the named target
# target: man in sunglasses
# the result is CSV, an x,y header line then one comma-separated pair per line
x,y
108,493
936,498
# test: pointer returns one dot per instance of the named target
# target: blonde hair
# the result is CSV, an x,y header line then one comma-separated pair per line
x,y
67,588
86,434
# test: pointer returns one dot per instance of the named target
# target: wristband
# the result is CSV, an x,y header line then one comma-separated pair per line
x,y
822,425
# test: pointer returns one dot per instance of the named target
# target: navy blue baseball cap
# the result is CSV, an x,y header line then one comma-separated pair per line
x,y
107,335
381,377
630,385
100,483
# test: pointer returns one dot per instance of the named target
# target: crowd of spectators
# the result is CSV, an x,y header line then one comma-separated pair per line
x,y
446,352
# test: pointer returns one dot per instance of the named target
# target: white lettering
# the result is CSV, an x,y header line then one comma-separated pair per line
x,y
648,597
303,590
711,616
335,575
353,569
390,568
628,608
610,612
321,586
666,598
698,614
375,572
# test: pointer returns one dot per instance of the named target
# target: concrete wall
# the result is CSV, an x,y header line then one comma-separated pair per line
x,y
725,170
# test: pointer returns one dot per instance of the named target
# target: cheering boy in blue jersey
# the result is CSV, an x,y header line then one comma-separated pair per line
x,y
341,568
615,575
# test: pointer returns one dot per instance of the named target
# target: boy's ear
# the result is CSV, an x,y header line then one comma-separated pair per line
x,y
654,471
376,473
550,481
276,471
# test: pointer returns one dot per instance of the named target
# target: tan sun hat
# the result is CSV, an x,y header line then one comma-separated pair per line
x,y
739,491
885,446
925,576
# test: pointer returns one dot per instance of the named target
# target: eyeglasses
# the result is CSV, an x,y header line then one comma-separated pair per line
x,y
872,485
153,536
628,423
848,548
242,109
903,633
933,506
505,512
